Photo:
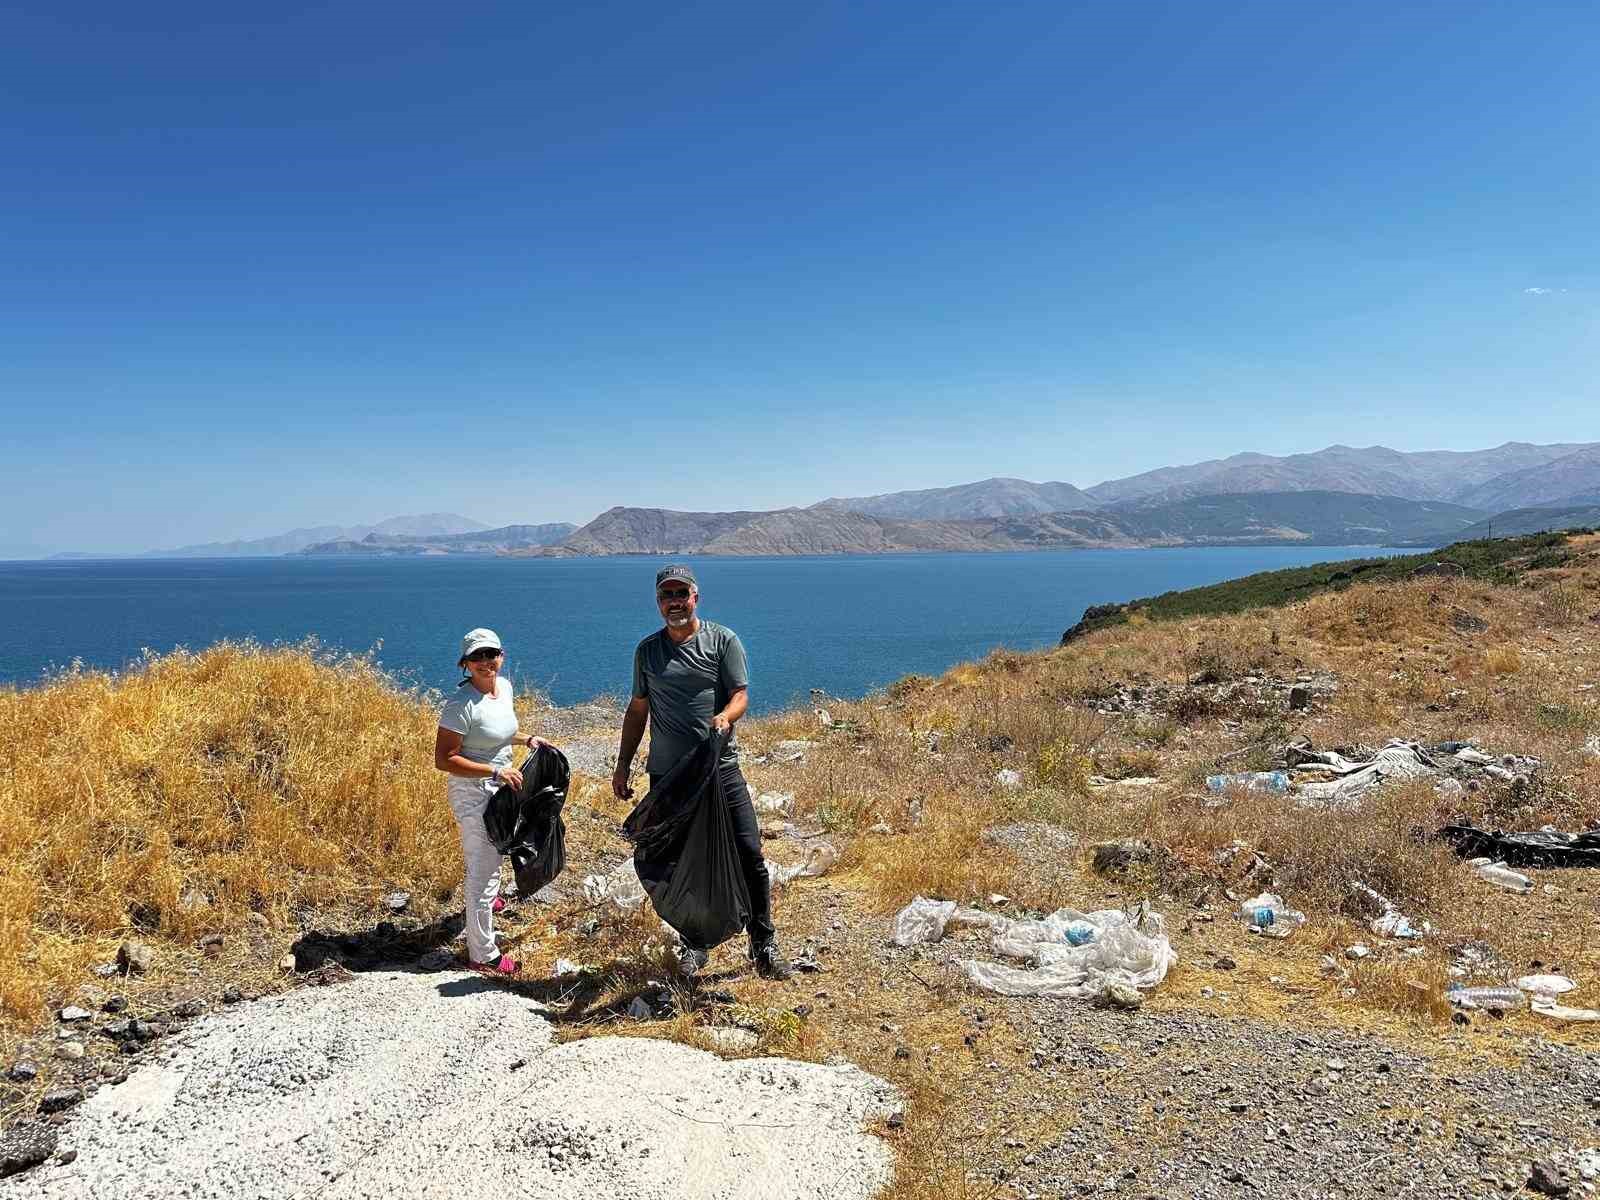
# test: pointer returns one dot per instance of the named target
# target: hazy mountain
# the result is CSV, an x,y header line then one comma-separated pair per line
x,y
1374,470
1318,518
1529,520
295,540
1551,483
986,498
506,539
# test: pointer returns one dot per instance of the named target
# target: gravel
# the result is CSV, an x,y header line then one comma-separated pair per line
x,y
443,1084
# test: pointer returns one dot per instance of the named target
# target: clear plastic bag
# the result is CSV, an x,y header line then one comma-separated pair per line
x,y
621,887
1127,949
924,921
822,856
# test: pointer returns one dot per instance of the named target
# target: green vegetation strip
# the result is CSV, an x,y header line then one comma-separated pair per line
x,y
1495,560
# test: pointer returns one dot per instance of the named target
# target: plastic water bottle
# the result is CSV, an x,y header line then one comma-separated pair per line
x,y
1263,918
1081,933
1268,914
1501,875
1501,998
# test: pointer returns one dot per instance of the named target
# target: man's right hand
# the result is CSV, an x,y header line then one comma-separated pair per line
x,y
619,784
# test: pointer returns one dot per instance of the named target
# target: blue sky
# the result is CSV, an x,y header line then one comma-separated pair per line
x,y
331,263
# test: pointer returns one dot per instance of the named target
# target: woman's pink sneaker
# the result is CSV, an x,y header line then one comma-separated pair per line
x,y
499,905
503,967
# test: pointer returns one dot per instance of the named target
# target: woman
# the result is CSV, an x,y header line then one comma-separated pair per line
x,y
474,744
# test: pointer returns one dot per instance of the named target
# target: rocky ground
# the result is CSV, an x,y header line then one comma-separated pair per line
x,y
1244,1073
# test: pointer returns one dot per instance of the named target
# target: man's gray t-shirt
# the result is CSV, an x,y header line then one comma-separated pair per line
x,y
686,686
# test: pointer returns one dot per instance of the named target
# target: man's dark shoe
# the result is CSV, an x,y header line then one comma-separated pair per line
x,y
692,960
770,962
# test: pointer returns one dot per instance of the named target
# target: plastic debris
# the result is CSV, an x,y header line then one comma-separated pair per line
x,y
924,921
818,861
1007,777
1546,1007
1397,760
1488,998
775,803
621,887
1081,933
1547,847
1390,922
1357,952
1545,985
1130,950
1500,875
1268,915
1250,781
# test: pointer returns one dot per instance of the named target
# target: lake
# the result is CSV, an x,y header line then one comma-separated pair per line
x,y
847,625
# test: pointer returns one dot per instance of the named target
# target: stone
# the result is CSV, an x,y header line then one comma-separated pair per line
x,y
190,1009
115,1004
1358,951
59,1100
1299,698
397,902
70,1051
72,1014
1124,996
1548,1179
22,1072
730,1039
231,995
258,920
24,1146
1226,964
134,957
1119,855
287,962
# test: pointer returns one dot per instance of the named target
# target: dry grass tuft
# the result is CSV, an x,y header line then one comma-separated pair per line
x,y
177,798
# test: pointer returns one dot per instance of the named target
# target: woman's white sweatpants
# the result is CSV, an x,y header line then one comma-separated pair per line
x,y
468,799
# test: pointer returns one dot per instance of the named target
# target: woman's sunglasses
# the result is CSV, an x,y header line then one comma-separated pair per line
x,y
483,655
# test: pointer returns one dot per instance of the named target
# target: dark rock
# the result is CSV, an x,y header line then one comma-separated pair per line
x,y
60,1100
22,1072
897,1120
66,1157
1118,856
232,995
998,743
115,1005
211,945
117,1030
1299,698
385,929
145,915
134,957
24,1146
190,1009
1096,616
1225,963
1549,1179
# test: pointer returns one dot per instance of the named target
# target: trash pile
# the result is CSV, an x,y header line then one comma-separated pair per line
x,y
1547,847
1107,954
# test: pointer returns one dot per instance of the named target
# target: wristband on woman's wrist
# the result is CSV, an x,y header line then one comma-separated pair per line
x,y
494,774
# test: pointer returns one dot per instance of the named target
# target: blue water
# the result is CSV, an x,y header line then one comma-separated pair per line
x,y
843,624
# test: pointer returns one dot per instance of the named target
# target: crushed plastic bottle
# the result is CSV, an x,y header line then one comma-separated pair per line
x,y
1497,873
1267,914
1250,781
1497,998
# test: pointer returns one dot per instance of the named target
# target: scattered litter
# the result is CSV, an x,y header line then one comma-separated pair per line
x,y
1129,950
776,803
1357,952
1546,985
1250,781
1268,915
821,857
1131,781
1500,875
1472,957
1546,1007
1354,778
1007,777
1487,998
565,966
1547,847
621,887
924,921
999,901
1390,921
1081,933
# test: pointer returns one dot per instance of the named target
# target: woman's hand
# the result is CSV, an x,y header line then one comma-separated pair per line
x,y
534,742
511,777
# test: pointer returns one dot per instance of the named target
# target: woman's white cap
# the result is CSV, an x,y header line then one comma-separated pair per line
x,y
478,639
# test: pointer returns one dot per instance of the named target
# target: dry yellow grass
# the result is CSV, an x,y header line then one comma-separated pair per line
x,y
181,796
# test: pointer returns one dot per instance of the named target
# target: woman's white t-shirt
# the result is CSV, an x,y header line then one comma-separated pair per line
x,y
487,724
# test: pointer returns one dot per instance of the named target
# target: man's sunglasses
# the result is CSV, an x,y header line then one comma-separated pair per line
x,y
483,655
672,593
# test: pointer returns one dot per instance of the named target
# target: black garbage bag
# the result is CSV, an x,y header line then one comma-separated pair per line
x,y
685,853
1536,848
525,823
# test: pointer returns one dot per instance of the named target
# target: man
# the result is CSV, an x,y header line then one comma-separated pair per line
x,y
689,678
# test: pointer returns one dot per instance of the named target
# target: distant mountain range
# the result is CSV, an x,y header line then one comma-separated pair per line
x,y
296,540
1338,495
504,540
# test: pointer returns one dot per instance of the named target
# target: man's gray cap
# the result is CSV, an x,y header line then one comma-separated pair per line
x,y
678,571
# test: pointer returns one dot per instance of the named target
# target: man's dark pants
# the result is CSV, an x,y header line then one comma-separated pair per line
x,y
747,837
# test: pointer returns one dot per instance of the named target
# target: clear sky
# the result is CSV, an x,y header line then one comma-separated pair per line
x,y
331,263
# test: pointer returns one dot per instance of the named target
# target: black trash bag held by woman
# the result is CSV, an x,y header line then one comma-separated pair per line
x,y
525,824
685,853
